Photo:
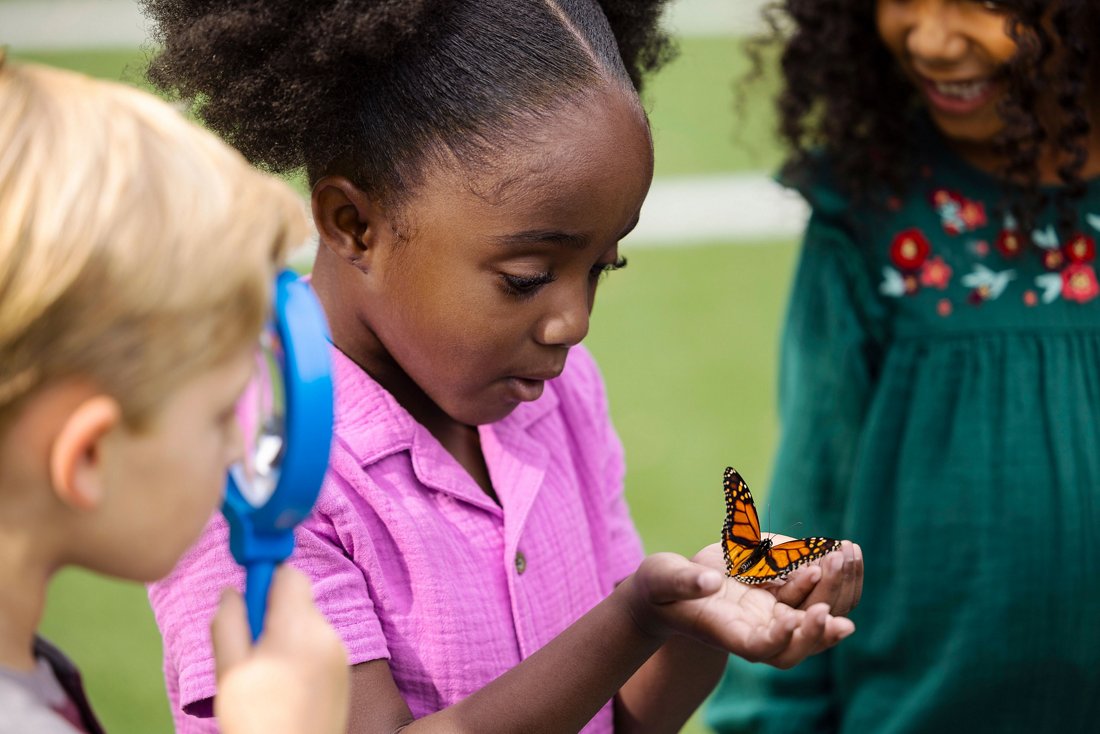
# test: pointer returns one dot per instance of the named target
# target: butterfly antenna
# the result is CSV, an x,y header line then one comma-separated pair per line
x,y
793,527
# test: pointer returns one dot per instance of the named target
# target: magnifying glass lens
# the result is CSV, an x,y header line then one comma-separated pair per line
x,y
261,415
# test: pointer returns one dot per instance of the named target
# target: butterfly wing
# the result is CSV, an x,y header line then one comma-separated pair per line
x,y
741,540
741,531
781,559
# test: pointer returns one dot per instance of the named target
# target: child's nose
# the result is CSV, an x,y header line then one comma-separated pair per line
x,y
936,34
567,323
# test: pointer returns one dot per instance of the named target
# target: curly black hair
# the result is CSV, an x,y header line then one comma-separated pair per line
x,y
376,89
844,94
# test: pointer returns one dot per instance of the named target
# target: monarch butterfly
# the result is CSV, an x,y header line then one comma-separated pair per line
x,y
751,559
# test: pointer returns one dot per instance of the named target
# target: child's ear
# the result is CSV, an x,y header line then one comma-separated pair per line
x,y
350,223
77,470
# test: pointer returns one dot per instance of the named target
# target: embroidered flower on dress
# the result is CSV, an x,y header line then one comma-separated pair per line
x,y
1053,259
1080,248
1009,243
935,273
1030,298
909,249
1079,283
944,307
958,213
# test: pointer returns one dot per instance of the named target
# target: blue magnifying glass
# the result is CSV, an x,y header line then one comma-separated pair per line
x,y
286,422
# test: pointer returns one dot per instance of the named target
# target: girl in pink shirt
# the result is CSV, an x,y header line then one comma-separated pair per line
x,y
474,164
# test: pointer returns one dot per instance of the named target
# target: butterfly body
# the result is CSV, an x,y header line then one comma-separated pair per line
x,y
751,558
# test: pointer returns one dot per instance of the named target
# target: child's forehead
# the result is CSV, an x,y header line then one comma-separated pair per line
x,y
599,142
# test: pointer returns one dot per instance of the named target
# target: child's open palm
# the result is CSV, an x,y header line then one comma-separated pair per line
x,y
696,599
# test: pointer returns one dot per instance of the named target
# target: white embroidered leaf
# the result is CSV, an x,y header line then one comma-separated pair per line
x,y
892,283
983,277
1047,237
1051,285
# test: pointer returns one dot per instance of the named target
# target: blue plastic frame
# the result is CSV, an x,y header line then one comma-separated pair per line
x,y
260,538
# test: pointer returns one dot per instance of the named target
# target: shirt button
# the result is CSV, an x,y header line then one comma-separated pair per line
x,y
521,563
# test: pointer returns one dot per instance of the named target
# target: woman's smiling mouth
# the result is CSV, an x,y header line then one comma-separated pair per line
x,y
958,97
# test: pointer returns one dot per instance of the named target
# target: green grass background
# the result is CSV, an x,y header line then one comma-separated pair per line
x,y
686,337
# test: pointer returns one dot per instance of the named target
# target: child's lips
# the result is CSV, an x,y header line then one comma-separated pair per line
x,y
526,389
958,96
529,387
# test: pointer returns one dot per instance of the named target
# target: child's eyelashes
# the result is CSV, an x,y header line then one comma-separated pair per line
x,y
523,286
526,285
600,268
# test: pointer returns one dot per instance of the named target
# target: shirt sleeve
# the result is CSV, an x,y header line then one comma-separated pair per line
x,y
184,604
828,361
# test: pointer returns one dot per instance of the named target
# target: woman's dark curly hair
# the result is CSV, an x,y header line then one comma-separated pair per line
x,y
376,89
844,94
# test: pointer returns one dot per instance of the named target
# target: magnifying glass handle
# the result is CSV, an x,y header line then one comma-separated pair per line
x,y
257,584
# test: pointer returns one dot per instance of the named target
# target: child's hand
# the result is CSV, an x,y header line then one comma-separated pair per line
x,y
294,680
670,594
836,580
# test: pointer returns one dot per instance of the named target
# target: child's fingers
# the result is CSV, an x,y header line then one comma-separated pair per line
x,y
817,632
856,572
805,639
836,580
230,633
799,586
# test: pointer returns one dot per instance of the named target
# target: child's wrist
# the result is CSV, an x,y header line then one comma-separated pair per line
x,y
641,611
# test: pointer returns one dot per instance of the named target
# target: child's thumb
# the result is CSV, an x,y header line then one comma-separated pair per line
x,y
670,577
230,633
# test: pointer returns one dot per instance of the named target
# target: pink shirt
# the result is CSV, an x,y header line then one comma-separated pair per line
x,y
412,562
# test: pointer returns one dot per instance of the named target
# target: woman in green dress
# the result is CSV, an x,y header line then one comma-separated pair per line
x,y
940,385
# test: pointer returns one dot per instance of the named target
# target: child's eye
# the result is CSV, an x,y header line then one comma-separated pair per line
x,y
600,268
526,285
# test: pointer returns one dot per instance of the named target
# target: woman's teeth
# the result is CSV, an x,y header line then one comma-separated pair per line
x,y
963,91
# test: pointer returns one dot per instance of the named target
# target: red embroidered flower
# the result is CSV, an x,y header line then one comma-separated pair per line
x,y
935,273
909,250
1080,248
980,248
958,213
1009,243
1053,259
1030,298
1079,283
943,308
912,285
978,295
972,213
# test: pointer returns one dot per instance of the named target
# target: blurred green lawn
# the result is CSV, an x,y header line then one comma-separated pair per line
x,y
686,338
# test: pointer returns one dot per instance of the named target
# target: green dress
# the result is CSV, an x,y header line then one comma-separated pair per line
x,y
940,403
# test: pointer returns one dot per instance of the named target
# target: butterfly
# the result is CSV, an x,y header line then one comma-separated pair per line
x,y
751,559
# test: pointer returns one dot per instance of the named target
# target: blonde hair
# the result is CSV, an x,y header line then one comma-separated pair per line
x,y
136,250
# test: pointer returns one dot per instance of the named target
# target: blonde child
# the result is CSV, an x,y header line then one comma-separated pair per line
x,y
474,165
136,256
